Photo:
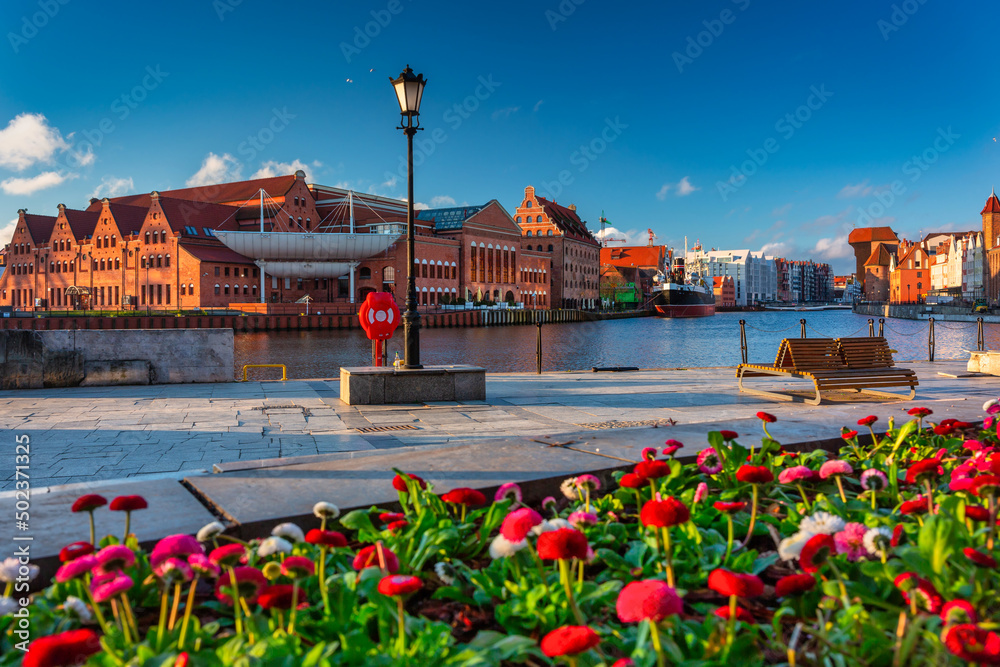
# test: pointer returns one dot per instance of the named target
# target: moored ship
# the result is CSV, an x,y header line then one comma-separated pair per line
x,y
682,295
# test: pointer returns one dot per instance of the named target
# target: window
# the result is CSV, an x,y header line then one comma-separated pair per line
x,y
156,237
208,232
389,274
253,290
167,258
142,291
288,283
539,219
550,246
97,241
529,233
227,270
147,238
440,271
255,274
71,264
168,292
296,201
105,240
517,219
183,289
191,289
102,265
159,261
118,264
920,274
246,290
159,295
365,273
217,270
298,283
424,273
52,268
226,289
191,231
308,222
919,285
548,233
528,204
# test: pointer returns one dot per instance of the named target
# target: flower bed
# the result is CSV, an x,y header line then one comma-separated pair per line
x,y
883,555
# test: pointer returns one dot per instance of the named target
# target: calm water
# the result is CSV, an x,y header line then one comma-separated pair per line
x,y
647,342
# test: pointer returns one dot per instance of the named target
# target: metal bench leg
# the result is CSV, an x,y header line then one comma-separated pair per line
x,y
761,392
889,394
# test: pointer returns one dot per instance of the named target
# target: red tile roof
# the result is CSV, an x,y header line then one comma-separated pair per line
x,y
644,256
566,219
215,253
128,218
869,234
992,204
82,223
879,257
235,193
198,214
39,227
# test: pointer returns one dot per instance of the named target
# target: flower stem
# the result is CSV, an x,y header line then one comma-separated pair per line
x,y
538,564
930,495
162,625
564,577
97,609
753,516
993,521
122,620
874,500
840,487
668,553
323,591
840,583
187,613
235,596
731,624
92,531
402,626
805,498
173,609
729,538
654,632
295,606
586,492
128,523
127,606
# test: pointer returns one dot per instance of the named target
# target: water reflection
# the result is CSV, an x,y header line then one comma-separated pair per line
x,y
647,342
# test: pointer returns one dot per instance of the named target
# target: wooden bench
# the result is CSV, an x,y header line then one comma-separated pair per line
x,y
862,364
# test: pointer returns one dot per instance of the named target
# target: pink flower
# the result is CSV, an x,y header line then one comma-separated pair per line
x,y
581,519
648,453
590,481
105,591
795,474
115,557
650,599
76,568
709,462
973,445
174,570
671,446
174,546
202,566
700,493
509,491
518,524
873,480
851,541
836,467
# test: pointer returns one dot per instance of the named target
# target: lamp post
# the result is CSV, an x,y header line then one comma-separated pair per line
x,y
907,292
409,92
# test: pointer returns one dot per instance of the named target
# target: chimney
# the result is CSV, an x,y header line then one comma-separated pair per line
x,y
94,200
572,207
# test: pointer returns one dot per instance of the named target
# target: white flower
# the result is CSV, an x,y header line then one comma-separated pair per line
x,y
445,572
791,547
273,545
324,510
570,489
208,531
8,606
501,547
990,403
289,531
822,523
877,541
78,608
548,525
11,568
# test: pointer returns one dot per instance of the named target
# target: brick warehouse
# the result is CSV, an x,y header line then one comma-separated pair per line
x,y
158,251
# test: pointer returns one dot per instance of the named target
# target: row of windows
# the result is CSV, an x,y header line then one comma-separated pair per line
x,y
106,265
236,271
112,244
63,266
547,233
492,265
248,290
528,276
528,219
540,248
151,262
443,272
155,293
22,269
20,248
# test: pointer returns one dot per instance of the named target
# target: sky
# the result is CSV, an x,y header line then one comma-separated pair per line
x,y
772,126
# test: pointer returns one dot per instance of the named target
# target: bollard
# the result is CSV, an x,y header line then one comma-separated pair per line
x,y
802,323
538,346
881,323
980,341
930,340
743,340
871,328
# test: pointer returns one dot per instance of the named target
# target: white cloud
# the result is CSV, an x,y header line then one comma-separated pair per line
x,y
862,189
780,249
441,201
538,104
29,186
112,187
781,210
505,112
419,206
833,248
216,169
29,139
683,188
7,232
615,236
274,168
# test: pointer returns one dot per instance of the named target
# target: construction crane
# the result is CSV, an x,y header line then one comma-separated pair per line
x,y
605,239
652,237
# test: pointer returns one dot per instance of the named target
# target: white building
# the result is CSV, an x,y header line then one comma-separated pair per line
x,y
755,276
973,258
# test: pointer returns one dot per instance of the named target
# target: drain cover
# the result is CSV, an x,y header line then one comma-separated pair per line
x,y
380,429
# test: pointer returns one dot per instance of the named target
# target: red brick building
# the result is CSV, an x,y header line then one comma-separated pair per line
x,y
575,253
866,242
724,289
646,260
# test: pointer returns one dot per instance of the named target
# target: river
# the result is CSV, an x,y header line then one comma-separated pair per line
x,y
647,342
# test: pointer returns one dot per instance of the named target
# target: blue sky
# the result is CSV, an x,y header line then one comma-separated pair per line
x,y
742,123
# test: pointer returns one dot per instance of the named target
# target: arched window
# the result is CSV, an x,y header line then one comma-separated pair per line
x,y
52,267
226,289
253,290
183,289
191,289
31,268
72,263
114,241
105,240
159,260
365,273
102,265
517,219
528,233
548,233
217,289
424,270
156,237
118,264
440,271
389,274
142,262
550,247
538,219
147,238
246,290
97,241
167,258
308,223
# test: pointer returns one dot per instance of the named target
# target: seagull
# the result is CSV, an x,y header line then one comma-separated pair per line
x,y
350,81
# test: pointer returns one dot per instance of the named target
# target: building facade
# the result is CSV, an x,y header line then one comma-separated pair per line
x,y
755,276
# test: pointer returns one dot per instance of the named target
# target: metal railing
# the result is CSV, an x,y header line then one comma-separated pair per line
x,y
284,371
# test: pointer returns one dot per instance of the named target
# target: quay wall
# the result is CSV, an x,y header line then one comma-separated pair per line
x,y
922,311
79,357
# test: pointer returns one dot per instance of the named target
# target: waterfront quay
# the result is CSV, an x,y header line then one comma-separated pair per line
x,y
254,453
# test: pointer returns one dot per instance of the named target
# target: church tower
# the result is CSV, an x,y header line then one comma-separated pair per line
x,y
991,221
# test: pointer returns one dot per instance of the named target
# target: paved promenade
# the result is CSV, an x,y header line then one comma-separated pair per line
x,y
256,453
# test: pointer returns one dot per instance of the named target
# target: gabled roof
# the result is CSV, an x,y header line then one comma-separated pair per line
x,y
869,234
128,218
213,253
81,223
39,227
181,214
879,257
448,219
651,256
237,193
992,204
912,249
565,219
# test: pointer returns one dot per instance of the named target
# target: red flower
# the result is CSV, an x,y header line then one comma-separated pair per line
x,y
754,474
368,557
918,505
867,421
735,583
925,469
397,526
794,584
249,580
227,555
766,417
89,503
972,643
279,596
664,513
652,469
183,658
849,435
729,507
128,504
919,412
979,558
741,614
671,446
958,611
464,496
729,435
518,524
65,648
815,552
941,429
400,485
921,590
974,512
562,544
985,485
389,517
650,599
75,550
898,533
630,480
399,584
569,640
297,567
329,538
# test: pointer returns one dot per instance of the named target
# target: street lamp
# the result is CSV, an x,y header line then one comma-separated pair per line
x,y
907,292
409,92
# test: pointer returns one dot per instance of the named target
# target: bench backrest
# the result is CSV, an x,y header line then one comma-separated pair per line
x,y
809,354
868,352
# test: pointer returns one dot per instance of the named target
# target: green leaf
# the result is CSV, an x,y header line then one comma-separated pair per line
x,y
936,541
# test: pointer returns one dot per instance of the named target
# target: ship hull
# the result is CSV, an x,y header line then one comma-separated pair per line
x,y
672,302
685,310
